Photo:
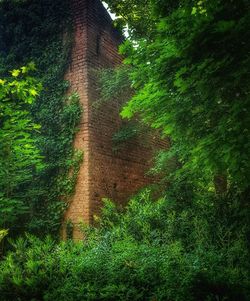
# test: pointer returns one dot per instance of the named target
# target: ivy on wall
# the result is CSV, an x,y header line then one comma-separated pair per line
x,y
41,31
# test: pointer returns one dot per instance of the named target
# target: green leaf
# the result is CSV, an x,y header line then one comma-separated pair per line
x,y
15,73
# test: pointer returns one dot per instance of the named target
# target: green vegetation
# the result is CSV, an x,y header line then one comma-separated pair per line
x,y
20,160
191,77
151,251
186,74
3,233
40,31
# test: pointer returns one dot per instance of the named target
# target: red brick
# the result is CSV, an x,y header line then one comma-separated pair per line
x,y
103,173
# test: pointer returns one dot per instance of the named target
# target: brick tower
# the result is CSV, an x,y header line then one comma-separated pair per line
x,y
103,173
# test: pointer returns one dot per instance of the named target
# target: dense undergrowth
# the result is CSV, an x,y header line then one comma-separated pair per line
x,y
150,251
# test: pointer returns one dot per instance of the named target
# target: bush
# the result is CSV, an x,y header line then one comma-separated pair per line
x,y
149,252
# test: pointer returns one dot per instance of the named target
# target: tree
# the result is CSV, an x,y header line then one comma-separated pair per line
x,y
19,156
191,80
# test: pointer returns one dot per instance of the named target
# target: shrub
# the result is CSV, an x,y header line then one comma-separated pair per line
x,y
151,251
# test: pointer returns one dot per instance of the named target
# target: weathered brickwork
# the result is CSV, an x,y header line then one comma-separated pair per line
x,y
103,173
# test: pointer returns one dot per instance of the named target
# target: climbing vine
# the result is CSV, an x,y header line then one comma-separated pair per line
x,y
41,31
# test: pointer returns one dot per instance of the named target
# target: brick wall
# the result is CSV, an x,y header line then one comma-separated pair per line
x,y
104,173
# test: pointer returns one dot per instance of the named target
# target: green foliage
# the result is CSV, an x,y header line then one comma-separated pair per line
x,y
3,233
191,78
41,31
126,133
114,85
150,251
189,71
69,229
20,159
138,15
